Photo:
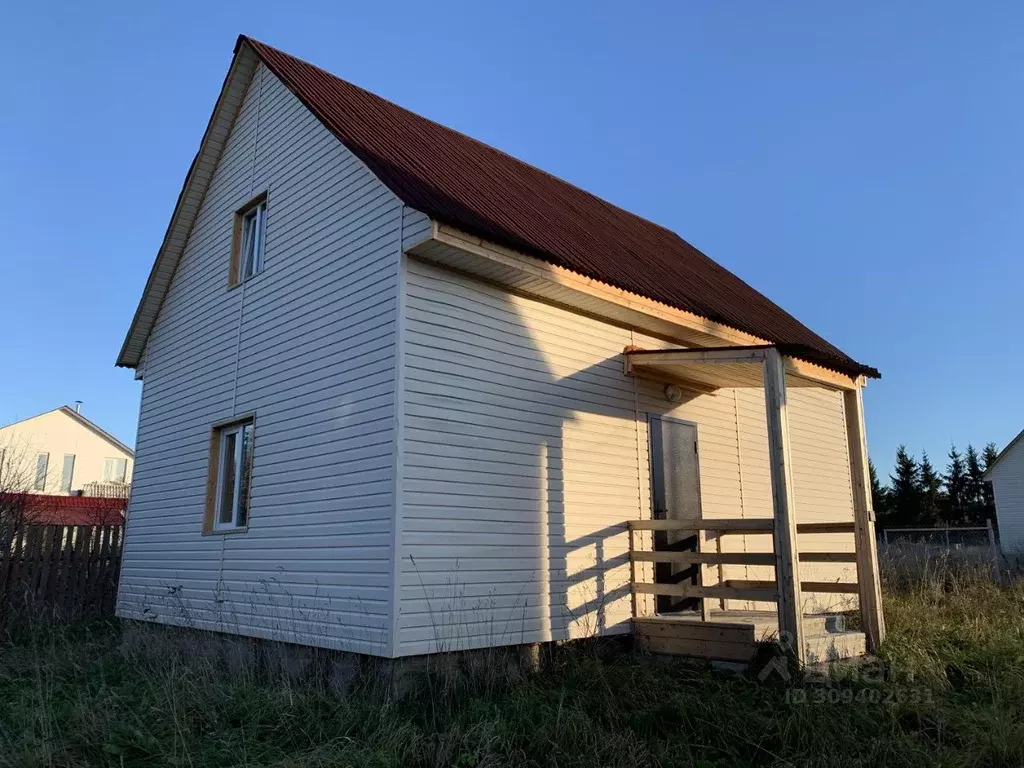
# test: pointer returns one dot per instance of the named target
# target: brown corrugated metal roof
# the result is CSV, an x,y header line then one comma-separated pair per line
x,y
481,190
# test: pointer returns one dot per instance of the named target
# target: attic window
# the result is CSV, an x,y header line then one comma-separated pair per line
x,y
249,240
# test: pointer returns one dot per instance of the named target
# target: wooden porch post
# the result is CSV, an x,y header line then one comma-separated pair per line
x,y
787,568
864,521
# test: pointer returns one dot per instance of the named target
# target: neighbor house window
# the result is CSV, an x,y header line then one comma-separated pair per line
x,y
249,240
67,472
42,467
227,501
115,470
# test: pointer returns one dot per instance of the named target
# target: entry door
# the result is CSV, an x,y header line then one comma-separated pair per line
x,y
675,476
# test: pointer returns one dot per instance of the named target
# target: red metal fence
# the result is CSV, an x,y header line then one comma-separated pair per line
x,y
58,572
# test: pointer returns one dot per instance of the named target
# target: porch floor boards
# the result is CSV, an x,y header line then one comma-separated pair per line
x,y
733,635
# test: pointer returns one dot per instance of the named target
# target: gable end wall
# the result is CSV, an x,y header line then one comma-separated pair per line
x,y
308,346
1008,486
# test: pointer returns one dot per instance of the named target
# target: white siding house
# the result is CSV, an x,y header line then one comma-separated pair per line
x,y
368,424
1007,477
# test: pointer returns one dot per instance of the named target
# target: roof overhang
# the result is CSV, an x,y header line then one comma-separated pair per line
x,y
530,276
708,370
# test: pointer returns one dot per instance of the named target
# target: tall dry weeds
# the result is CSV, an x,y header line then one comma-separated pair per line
x,y
952,694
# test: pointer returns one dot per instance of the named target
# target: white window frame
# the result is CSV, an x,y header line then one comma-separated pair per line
x,y
223,433
110,462
254,237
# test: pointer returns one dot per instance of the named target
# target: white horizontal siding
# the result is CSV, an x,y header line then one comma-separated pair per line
x,y
309,347
1008,484
525,450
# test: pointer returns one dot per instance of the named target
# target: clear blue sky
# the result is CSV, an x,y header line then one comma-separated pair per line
x,y
860,163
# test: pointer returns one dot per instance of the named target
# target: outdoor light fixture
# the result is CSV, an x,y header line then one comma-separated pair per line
x,y
673,393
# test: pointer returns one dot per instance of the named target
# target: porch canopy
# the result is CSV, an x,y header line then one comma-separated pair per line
x,y
707,369
774,368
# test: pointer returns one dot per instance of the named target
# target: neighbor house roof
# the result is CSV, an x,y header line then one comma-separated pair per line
x,y
41,509
1004,452
476,188
76,416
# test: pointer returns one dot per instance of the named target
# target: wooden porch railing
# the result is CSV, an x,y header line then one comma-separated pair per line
x,y
732,589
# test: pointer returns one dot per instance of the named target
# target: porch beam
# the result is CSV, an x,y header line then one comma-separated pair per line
x,y
781,464
692,356
821,376
871,615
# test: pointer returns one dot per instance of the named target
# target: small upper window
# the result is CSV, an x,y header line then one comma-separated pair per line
x,y
249,240
232,464
115,470
42,467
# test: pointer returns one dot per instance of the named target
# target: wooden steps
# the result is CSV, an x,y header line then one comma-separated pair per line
x,y
733,635
834,646
686,636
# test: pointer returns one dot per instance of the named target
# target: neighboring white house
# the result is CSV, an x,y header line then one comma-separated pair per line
x,y
401,393
61,452
1007,477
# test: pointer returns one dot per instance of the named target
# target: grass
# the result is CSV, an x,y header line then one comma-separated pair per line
x,y
952,693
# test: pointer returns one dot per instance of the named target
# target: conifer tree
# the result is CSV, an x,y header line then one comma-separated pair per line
x,y
956,487
988,457
879,493
975,491
905,489
930,488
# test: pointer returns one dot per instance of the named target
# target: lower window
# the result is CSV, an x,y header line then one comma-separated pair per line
x,y
231,467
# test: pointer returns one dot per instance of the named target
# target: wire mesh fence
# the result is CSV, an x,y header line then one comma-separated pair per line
x,y
907,554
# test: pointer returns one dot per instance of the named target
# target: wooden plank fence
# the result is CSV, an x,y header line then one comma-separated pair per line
x,y
58,572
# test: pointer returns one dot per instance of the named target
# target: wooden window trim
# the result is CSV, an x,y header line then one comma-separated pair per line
x,y
213,468
235,265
